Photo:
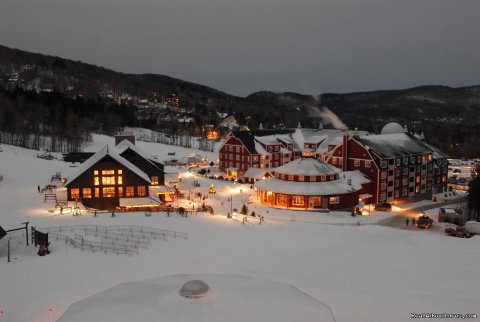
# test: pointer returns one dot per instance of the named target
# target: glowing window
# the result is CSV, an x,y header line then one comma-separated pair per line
x,y
97,192
75,193
107,172
129,191
297,200
301,178
313,178
154,180
120,191
95,172
119,180
87,193
108,181
141,191
96,181
334,200
108,192
120,171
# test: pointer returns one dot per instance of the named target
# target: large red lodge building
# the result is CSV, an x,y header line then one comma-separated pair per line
x,y
399,166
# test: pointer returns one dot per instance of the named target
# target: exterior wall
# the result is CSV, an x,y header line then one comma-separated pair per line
x,y
234,154
311,203
86,180
440,175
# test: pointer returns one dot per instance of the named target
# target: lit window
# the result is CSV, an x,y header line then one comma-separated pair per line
x,y
120,171
96,181
87,193
290,177
334,160
417,189
129,191
301,178
120,191
108,192
95,172
97,192
75,193
141,191
313,178
297,200
119,180
108,181
334,200
154,180
107,172
323,178
383,175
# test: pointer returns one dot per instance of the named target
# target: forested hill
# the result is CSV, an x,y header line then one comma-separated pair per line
x,y
449,117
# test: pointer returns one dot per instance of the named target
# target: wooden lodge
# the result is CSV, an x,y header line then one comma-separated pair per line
x,y
119,177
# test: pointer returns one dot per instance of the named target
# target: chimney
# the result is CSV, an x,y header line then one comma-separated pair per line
x,y
345,151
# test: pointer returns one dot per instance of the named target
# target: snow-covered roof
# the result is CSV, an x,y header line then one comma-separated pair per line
x,y
267,140
94,159
126,144
392,145
256,173
307,167
260,149
326,188
226,298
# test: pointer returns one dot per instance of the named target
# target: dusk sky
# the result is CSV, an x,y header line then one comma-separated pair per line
x,y
307,46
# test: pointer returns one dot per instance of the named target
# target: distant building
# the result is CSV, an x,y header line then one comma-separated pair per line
x,y
173,100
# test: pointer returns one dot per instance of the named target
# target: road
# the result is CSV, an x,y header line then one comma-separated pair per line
x,y
399,218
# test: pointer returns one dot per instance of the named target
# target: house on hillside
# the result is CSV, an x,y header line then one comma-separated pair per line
x,y
119,176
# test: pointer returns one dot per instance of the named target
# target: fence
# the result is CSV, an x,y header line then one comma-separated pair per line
x,y
119,239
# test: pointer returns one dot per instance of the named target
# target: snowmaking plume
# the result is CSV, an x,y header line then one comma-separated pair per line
x,y
327,116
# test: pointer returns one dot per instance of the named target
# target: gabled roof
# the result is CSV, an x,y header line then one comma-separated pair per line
x,y
127,145
248,140
97,157
256,173
394,145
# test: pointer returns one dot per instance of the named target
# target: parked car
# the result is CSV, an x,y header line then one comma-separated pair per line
x,y
424,222
383,206
458,232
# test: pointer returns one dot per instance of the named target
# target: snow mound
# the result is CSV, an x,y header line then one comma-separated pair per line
x,y
230,298
392,128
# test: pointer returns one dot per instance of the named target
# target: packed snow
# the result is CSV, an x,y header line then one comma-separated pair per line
x,y
363,271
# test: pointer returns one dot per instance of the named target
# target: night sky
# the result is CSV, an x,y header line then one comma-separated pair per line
x,y
243,46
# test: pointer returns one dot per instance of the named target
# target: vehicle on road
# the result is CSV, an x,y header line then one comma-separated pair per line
x,y
383,206
460,232
424,222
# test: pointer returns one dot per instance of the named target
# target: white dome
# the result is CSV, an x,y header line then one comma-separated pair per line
x,y
392,128
234,298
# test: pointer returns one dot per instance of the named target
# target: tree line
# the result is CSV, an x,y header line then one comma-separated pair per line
x,y
56,123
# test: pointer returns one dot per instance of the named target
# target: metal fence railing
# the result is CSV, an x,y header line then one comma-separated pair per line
x,y
119,239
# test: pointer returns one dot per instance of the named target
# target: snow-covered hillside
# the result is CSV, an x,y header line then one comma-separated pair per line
x,y
364,272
